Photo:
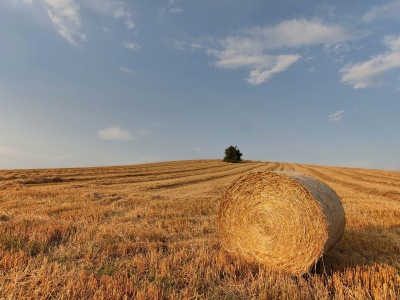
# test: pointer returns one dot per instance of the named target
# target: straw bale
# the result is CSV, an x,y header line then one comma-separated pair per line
x,y
284,220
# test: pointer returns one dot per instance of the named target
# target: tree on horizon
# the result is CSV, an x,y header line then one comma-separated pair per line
x,y
233,155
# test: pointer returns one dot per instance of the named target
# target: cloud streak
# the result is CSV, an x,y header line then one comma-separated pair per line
x,y
390,10
126,70
115,133
371,73
122,12
337,116
64,15
249,49
182,45
132,46
172,8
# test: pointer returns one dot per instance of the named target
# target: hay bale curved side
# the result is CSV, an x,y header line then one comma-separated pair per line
x,y
286,221
331,205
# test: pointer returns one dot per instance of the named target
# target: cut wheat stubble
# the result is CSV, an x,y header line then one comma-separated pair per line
x,y
284,220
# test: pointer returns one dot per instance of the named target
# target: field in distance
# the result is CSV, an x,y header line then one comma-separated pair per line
x,y
149,232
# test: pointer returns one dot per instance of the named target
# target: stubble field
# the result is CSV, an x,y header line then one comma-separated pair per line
x,y
149,232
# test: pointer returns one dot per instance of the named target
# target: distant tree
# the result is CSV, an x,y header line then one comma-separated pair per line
x,y
233,155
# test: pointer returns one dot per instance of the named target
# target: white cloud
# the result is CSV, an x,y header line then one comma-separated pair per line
x,y
336,116
390,10
312,69
195,46
132,46
115,133
182,45
172,8
64,14
248,50
101,6
300,32
106,29
372,72
341,47
129,24
142,132
198,149
125,70
280,64
122,12
340,59
179,45
116,8
175,10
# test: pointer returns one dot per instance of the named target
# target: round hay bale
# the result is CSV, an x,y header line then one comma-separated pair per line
x,y
286,220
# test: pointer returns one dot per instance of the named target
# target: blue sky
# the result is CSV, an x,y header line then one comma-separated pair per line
x,y
108,82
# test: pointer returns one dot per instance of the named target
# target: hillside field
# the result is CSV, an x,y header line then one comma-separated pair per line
x,y
149,232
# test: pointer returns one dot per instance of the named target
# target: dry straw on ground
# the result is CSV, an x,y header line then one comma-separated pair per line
x,y
286,221
150,232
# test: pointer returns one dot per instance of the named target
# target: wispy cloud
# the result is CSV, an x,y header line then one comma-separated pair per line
x,y
122,12
371,72
175,10
115,133
129,24
389,10
64,14
171,8
125,70
198,149
117,8
132,46
179,45
274,65
182,45
248,50
312,69
337,116
195,46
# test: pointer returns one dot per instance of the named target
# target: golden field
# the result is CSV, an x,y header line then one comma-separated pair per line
x,y
149,232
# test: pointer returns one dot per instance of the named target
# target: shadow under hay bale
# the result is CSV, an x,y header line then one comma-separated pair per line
x,y
285,221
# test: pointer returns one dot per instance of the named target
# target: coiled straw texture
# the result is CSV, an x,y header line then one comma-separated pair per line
x,y
286,221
